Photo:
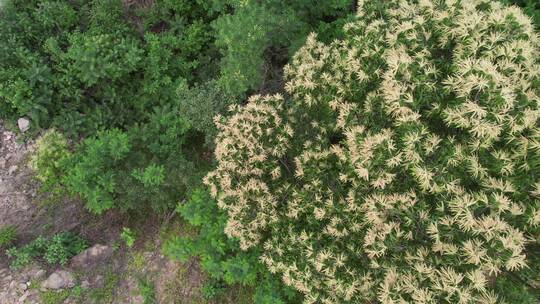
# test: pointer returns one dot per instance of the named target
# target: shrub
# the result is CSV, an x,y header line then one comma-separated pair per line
x,y
55,250
200,103
80,66
135,169
128,236
49,160
8,234
220,256
403,168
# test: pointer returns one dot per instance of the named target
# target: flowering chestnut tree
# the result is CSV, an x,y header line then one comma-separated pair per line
x,y
404,163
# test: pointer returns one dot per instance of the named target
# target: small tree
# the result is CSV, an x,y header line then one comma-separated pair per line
x,y
405,166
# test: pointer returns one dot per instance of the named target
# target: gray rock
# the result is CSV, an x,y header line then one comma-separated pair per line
x,y
39,274
99,281
12,169
85,284
59,280
24,124
23,286
24,297
96,254
137,300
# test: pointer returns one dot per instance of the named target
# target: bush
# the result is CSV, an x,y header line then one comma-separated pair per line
x,y
49,160
135,169
128,236
81,66
8,234
201,103
147,291
55,250
220,256
403,168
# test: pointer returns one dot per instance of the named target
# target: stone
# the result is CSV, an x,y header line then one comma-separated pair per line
x,y
96,254
58,280
12,284
12,169
39,274
99,281
24,124
85,284
24,297
23,286
138,299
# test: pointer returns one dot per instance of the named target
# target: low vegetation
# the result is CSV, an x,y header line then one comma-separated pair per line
x,y
8,234
57,249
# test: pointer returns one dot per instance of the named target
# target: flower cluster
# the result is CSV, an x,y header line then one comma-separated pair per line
x,y
405,165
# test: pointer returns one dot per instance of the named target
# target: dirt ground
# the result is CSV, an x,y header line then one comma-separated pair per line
x,y
117,281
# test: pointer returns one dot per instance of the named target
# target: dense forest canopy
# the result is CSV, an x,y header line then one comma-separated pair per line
x,y
333,151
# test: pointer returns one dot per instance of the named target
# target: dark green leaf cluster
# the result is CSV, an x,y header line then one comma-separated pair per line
x,y
85,65
221,256
259,33
135,169
57,249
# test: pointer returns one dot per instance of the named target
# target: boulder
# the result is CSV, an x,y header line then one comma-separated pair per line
x,y
24,124
96,254
12,169
23,286
39,274
58,280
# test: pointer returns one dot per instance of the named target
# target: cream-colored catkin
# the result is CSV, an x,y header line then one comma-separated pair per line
x,y
401,165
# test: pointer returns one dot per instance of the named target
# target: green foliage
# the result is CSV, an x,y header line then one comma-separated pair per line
x,y
94,171
49,160
244,38
220,256
258,32
201,103
83,65
516,292
54,296
97,58
213,288
141,167
401,165
147,291
128,236
55,250
8,234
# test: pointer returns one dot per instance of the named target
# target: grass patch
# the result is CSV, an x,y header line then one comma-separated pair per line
x,y
137,262
54,297
147,291
105,294
8,234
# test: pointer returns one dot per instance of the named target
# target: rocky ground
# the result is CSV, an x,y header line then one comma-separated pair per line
x,y
107,272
